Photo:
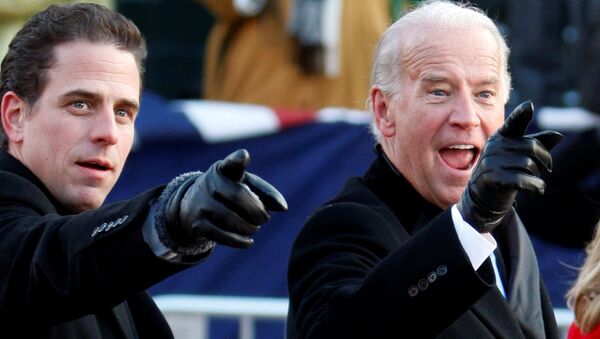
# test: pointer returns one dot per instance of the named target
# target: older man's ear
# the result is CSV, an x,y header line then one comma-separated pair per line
x,y
384,119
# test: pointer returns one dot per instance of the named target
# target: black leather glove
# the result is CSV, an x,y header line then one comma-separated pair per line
x,y
510,162
225,204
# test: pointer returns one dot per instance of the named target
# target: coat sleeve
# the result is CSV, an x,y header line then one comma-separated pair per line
x,y
354,272
56,268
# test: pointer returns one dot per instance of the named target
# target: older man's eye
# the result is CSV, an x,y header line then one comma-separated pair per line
x,y
486,94
438,92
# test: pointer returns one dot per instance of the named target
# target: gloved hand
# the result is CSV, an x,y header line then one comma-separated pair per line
x,y
225,204
510,162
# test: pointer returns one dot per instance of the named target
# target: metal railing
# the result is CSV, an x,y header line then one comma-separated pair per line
x,y
189,315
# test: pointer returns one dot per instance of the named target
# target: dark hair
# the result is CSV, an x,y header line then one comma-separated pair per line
x,y
31,51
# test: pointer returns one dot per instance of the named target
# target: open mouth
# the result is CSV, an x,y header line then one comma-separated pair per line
x,y
460,156
94,165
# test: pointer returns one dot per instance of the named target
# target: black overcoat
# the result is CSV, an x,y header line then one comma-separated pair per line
x,y
75,276
379,261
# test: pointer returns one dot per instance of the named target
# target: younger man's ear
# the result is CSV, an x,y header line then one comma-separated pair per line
x,y
12,111
384,118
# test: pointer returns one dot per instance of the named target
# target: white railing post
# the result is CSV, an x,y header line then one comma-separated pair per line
x,y
188,325
246,327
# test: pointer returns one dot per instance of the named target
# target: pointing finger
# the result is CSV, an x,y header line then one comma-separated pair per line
x,y
516,123
233,166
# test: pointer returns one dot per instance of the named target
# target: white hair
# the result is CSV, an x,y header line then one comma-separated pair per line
x,y
387,65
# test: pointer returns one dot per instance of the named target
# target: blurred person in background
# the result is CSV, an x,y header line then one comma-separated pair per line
x,y
292,53
584,296
175,34
556,61
549,48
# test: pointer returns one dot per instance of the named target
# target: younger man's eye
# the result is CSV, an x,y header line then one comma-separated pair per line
x,y
79,104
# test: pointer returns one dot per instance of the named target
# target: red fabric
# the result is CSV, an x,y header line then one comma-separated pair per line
x,y
575,333
289,117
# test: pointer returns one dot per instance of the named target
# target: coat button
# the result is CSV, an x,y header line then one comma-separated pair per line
x,y
413,291
102,227
441,270
423,284
99,229
431,277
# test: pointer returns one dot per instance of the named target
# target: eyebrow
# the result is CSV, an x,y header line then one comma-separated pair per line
x,y
93,95
431,77
436,78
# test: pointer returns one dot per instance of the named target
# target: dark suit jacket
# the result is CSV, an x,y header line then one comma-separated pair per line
x,y
379,261
74,276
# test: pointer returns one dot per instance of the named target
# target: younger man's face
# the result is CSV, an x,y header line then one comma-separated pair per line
x,y
79,132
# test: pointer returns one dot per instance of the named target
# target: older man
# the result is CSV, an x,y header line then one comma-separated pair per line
x,y
70,267
426,244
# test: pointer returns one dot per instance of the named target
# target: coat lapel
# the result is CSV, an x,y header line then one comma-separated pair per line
x,y
523,290
123,320
493,311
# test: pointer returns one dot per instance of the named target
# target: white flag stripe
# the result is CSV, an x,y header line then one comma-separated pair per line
x,y
222,121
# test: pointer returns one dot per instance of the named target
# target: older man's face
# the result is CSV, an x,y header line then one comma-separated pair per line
x,y
451,100
78,134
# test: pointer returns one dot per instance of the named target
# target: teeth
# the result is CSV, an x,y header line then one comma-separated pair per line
x,y
461,146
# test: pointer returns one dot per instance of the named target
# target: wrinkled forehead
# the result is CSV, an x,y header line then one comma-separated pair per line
x,y
468,48
458,39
